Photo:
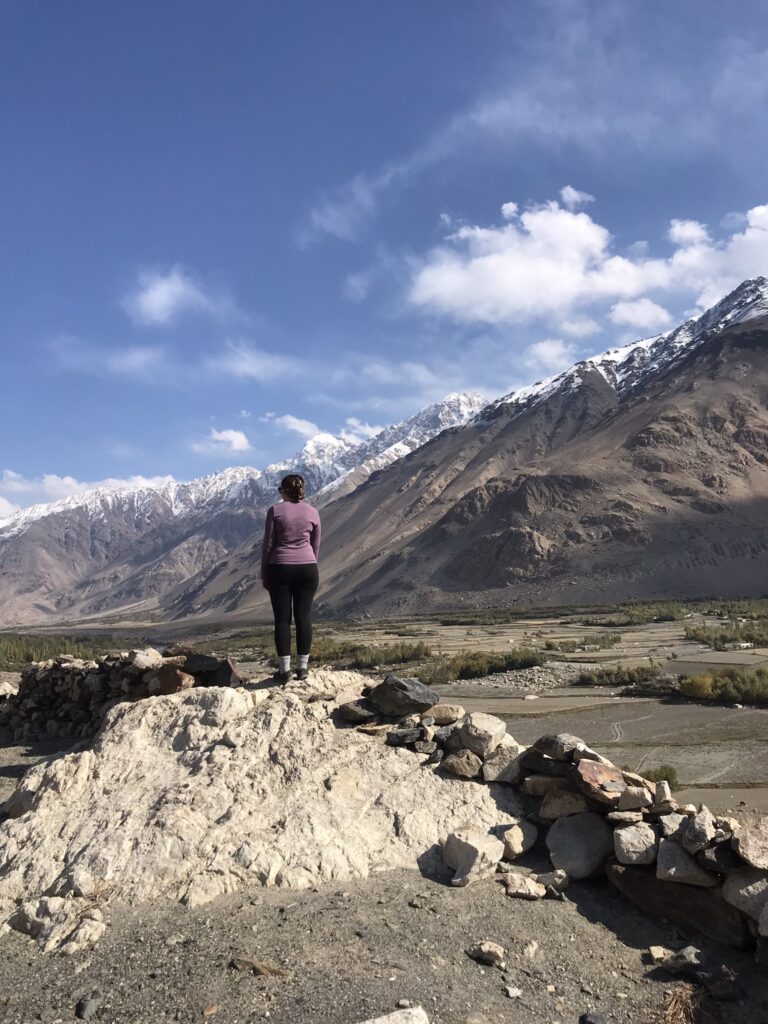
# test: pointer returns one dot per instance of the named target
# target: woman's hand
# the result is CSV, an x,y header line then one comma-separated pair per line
x,y
264,583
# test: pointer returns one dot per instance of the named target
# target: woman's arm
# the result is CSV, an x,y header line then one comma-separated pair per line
x,y
269,542
314,538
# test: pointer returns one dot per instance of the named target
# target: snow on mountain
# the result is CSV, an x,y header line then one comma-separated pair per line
x,y
629,366
323,459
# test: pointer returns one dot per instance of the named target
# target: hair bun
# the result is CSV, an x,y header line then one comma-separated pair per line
x,y
292,487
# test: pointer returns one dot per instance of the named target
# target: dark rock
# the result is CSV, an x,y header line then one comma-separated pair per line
x,y
425,747
463,763
175,650
403,696
688,906
601,782
539,764
225,675
435,758
719,857
402,737
357,711
88,1006
560,747
444,733
195,663
592,1018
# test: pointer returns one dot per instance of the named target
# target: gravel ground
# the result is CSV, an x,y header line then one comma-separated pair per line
x,y
347,953
539,677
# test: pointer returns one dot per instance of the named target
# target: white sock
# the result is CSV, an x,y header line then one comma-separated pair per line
x,y
285,663
303,662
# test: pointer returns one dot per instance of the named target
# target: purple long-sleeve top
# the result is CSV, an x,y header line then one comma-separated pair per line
x,y
291,535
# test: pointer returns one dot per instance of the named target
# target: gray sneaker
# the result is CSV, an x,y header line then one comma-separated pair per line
x,y
283,677
302,674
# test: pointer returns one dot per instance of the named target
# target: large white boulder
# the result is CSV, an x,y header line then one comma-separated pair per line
x,y
215,789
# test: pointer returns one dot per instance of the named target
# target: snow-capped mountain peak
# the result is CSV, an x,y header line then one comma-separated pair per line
x,y
323,459
630,365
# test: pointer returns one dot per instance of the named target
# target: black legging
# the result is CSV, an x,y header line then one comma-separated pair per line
x,y
293,586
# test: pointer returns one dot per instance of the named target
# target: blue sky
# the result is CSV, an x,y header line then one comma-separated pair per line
x,y
226,226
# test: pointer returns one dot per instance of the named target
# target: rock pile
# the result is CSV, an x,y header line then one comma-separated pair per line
x,y
67,696
217,789
682,863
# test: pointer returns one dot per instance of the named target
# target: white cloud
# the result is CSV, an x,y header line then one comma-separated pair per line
x,y
7,509
355,430
222,441
161,297
688,232
580,328
48,487
571,197
299,426
584,82
243,414
241,359
550,355
641,313
138,362
509,211
559,265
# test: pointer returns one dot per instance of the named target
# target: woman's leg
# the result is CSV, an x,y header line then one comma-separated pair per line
x,y
304,588
280,595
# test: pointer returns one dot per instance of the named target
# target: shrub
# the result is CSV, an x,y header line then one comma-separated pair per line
x,y
350,655
698,687
601,640
664,773
473,664
617,676
18,649
728,684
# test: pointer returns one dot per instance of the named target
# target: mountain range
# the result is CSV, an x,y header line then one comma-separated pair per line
x,y
640,472
128,550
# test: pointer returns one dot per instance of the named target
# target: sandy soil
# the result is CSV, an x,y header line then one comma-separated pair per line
x,y
351,952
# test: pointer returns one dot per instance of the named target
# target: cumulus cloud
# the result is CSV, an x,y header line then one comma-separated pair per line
x,y
688,232
222,441
18,491
7,509
641,313
299,426
549,355
571,197
161,296
559,265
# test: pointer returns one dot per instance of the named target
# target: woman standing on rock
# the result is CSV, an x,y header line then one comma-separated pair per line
x,y
289,571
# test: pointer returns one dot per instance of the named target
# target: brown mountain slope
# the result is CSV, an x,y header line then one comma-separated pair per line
x,y
586,496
